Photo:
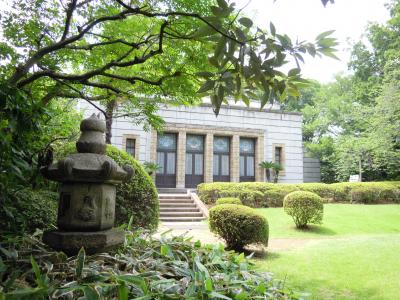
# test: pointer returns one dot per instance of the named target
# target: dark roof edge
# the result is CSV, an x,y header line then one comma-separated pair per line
x,y
276,111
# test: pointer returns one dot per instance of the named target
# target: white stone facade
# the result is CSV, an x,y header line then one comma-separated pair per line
x,y
273,127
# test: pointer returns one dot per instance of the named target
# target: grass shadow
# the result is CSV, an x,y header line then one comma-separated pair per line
x,y
320,230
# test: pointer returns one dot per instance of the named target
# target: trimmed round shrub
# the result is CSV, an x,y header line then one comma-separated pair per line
x,y
238,225
229,200
27,210
137,197
304,208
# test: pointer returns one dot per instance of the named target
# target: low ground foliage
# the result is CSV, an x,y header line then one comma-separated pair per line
x,y
263,194
144,268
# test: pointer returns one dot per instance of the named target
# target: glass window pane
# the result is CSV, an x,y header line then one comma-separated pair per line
x,y
130,147
221,144
246,145
278,155
188,164
216,165
160,162
250,166
170,163
198,164
194,143
225,165
166,141
242,166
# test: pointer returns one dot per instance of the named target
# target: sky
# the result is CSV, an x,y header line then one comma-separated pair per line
x,y
305,19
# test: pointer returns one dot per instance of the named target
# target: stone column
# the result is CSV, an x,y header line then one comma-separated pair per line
x,y
180,160
234,159
259,157
153,150
208,157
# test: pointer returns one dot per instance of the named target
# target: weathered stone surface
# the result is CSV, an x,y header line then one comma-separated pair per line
x,y
91,139
93,242
86,207
86,211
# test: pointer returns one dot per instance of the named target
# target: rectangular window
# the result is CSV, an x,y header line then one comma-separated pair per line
x,y
171,163
224,165
130,146
198,164
242,173
278,155
250,166
216,165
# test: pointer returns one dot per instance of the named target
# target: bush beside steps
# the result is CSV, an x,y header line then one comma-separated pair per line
x,y
238,225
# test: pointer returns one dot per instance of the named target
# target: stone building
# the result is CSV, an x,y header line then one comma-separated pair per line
x,y
196,146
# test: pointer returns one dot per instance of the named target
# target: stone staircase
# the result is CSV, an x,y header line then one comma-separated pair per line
x,y
179,208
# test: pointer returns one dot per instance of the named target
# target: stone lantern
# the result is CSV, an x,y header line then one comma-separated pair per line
x,y
86,210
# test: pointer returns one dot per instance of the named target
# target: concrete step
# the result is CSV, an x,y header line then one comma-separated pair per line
x,y
177,205
180,214
178,209
182,219
176,201
173,196
171,191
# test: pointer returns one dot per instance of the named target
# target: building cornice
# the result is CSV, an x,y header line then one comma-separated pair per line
x,y
273,111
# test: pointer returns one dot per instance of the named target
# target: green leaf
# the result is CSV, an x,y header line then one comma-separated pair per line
x,y
220,48
246,22
91,293
80,262
294,72
123,292
208,85
165,250
204,31
324,34
261,288
329,53
222,4
208,285
205,74
36,270
272,29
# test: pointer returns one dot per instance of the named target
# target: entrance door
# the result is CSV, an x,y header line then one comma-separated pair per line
x,y
194,160
221,159
166,160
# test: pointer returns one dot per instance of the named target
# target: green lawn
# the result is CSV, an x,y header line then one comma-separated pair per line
x,y
355,253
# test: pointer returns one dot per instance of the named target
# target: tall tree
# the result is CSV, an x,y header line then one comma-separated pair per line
x,y
119,50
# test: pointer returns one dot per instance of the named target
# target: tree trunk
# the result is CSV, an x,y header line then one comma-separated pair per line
x,y
110,107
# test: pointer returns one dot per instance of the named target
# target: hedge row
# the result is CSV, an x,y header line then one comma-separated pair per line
x,y
262,194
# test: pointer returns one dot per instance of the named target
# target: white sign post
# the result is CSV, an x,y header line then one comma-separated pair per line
x,y
354,178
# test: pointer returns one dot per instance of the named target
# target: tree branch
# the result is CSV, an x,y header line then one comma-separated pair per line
x,y
70,11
